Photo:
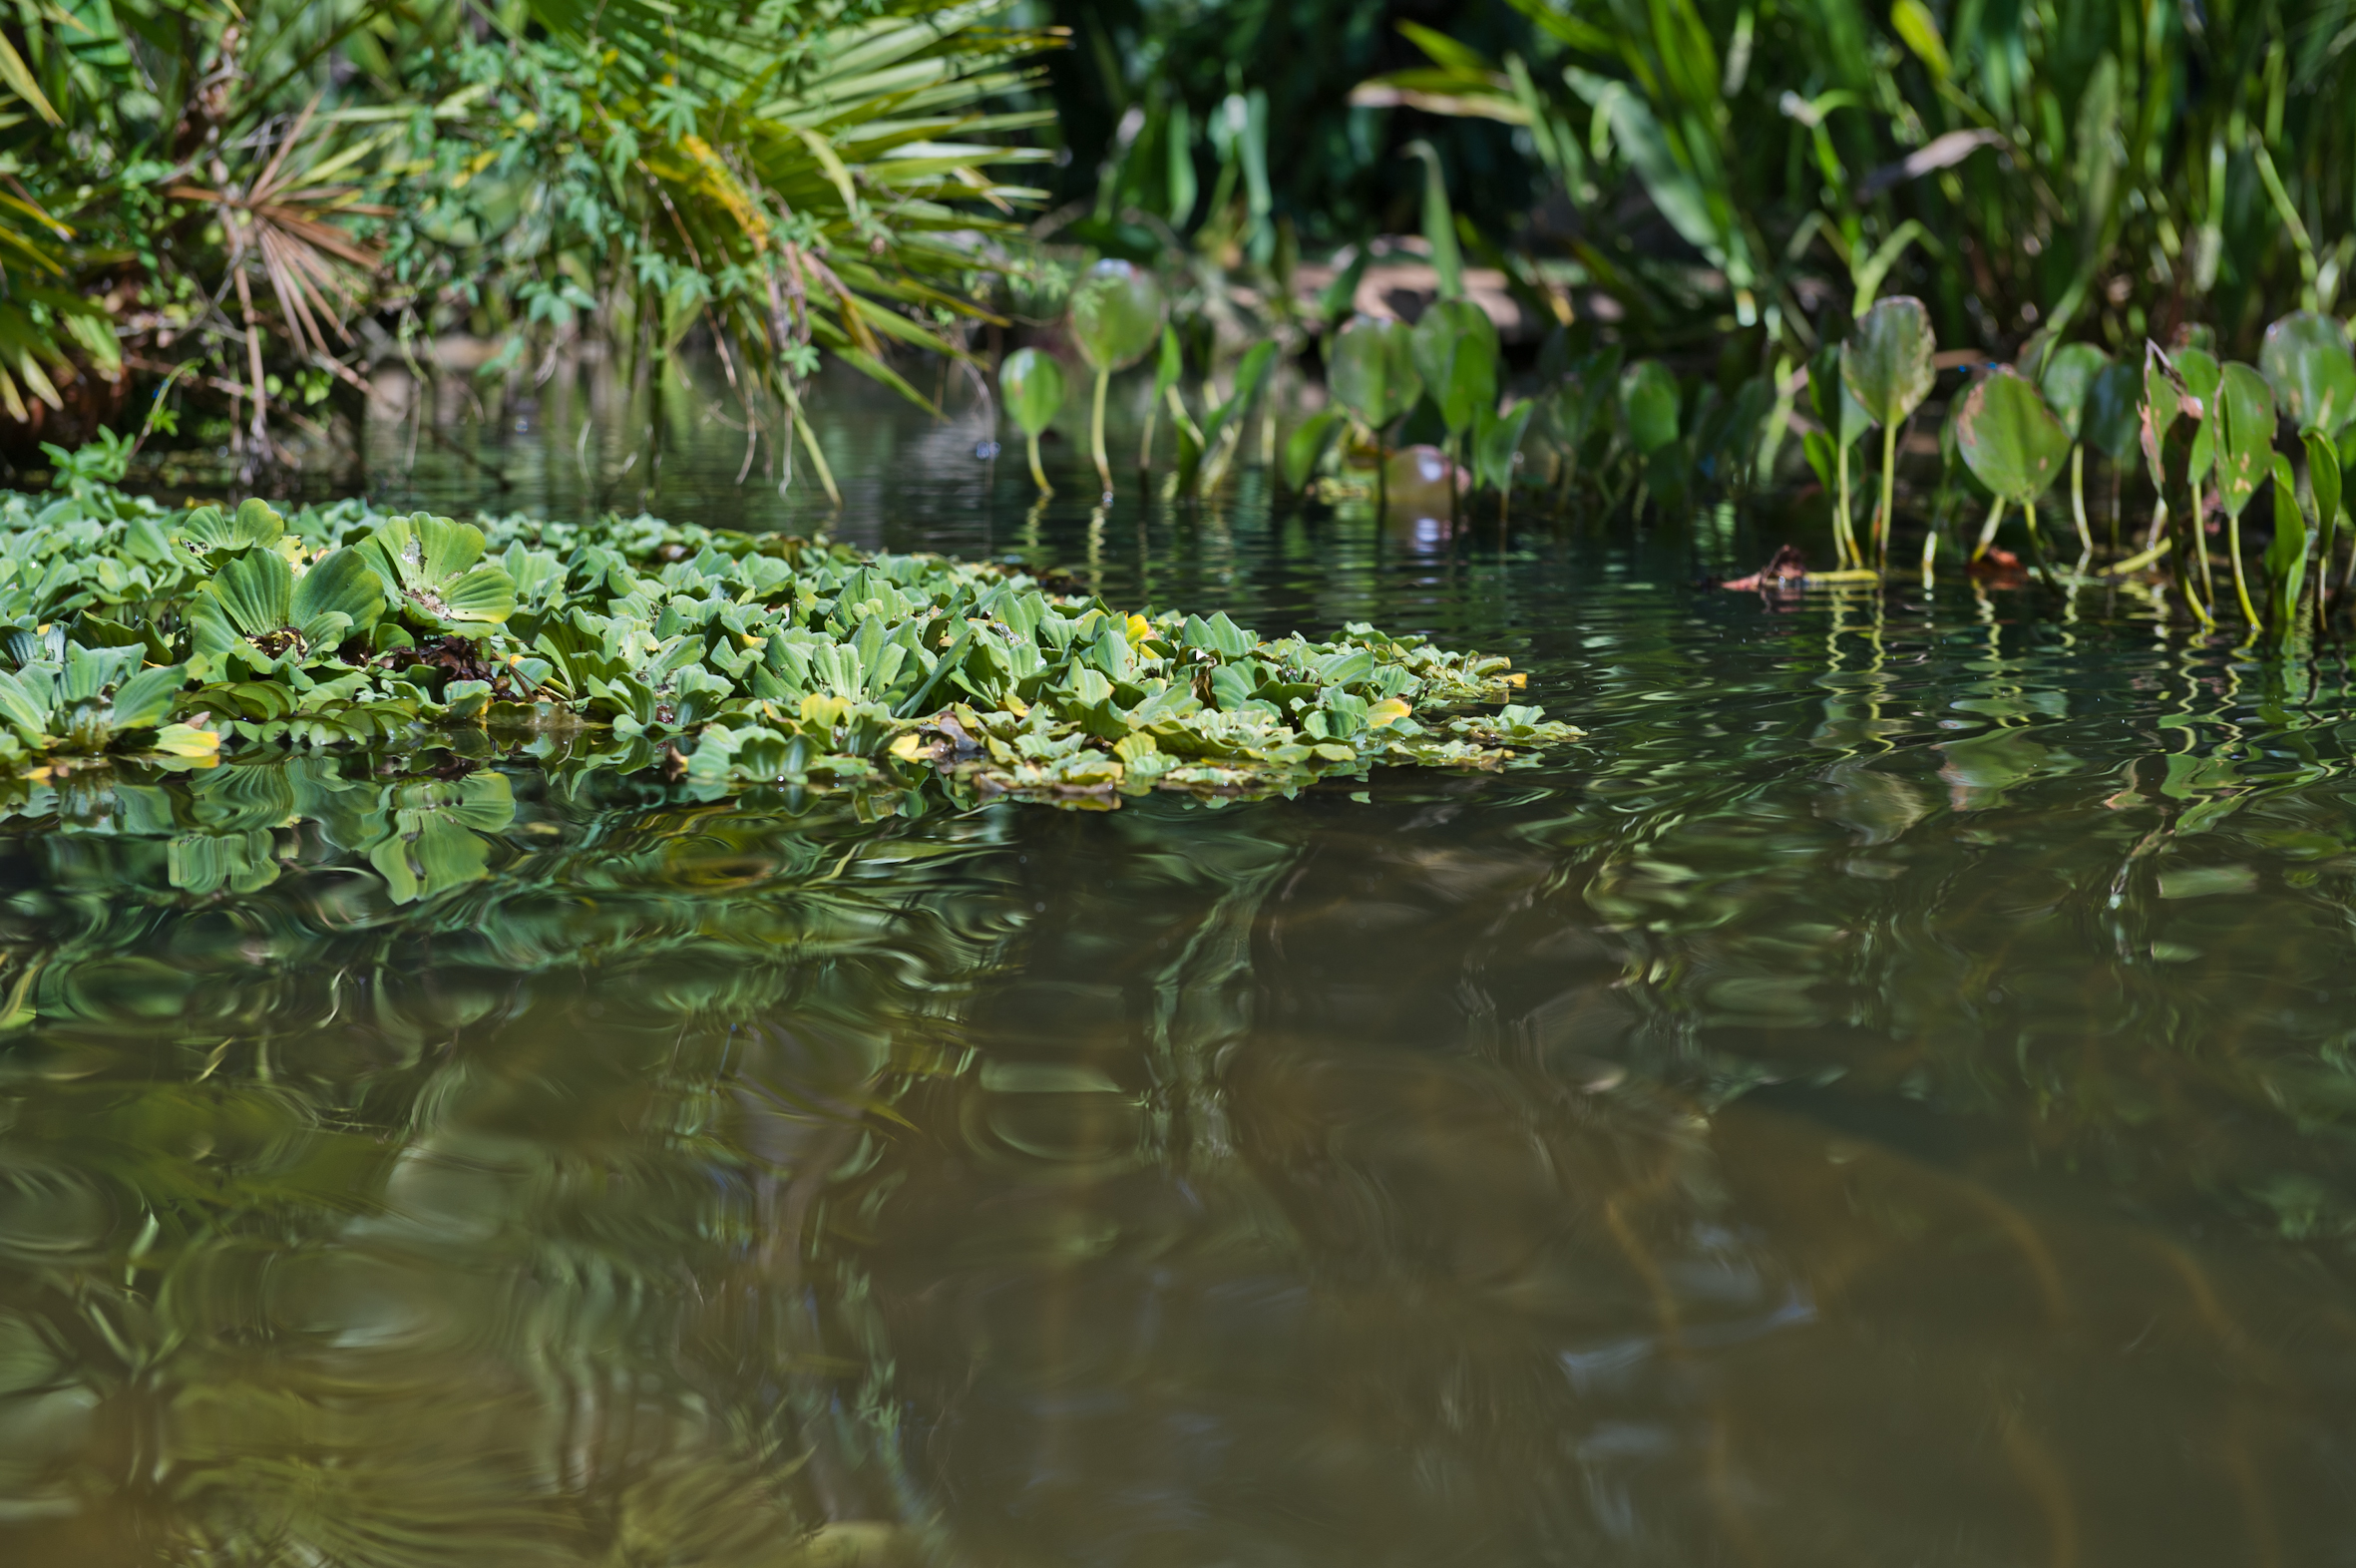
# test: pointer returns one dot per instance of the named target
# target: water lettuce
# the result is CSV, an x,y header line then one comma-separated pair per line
x,y
722,659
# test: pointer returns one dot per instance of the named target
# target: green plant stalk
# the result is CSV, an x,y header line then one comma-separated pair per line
x,y
2086,533
1096,431
1153,414
1988,529
2249,613
1885,524
1844,536
2197,531
1038,475
1930,550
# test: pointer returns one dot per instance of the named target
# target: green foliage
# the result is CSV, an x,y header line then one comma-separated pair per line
x,y
1371,368
2113,415
741,659
1497,444
2010,438
2245,435
2041,165
1116,315
2307,359
1885,361
1232,122
1648,405
2286,557
1033,385
1456,353
2071,375
240,182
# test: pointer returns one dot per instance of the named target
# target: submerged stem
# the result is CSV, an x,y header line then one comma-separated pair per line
x,y
1038,475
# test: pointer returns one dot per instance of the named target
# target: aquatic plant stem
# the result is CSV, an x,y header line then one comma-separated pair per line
x,y
2250,611
2086,533
1153,413
1096,432
2198,533
1038,475
1844,538
1884,523
1988,529
1930,551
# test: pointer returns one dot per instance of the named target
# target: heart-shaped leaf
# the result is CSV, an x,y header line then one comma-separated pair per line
x,y
2009,437
2113,412
1648,404
1372,370
2307,359
1116,314
1455,351
2071,373
2245,436
1033,386
1886,362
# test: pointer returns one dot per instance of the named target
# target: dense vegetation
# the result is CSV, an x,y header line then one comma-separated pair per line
x,y
726,658
252,205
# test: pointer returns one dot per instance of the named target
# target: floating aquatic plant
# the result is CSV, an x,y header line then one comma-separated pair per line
x,y
726,658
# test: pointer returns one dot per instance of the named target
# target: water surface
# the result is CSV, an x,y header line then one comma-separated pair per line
x,y
1882,1098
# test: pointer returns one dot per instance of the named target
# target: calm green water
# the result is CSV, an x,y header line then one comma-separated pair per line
x,y
1883,1099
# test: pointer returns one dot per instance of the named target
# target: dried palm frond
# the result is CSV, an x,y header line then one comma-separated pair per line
x,y
284,219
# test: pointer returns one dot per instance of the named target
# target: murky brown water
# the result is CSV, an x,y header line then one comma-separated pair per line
x,y
1884,1100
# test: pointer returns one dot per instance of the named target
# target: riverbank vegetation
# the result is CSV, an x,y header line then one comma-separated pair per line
x,y
239,211
1583,257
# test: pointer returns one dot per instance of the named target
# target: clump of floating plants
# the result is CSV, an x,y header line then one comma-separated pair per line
x,y
131,632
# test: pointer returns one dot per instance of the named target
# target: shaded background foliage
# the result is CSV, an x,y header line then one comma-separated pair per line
x,y
1336,173
2119,167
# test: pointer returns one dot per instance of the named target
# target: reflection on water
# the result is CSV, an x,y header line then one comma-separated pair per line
x,y
1881,1100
